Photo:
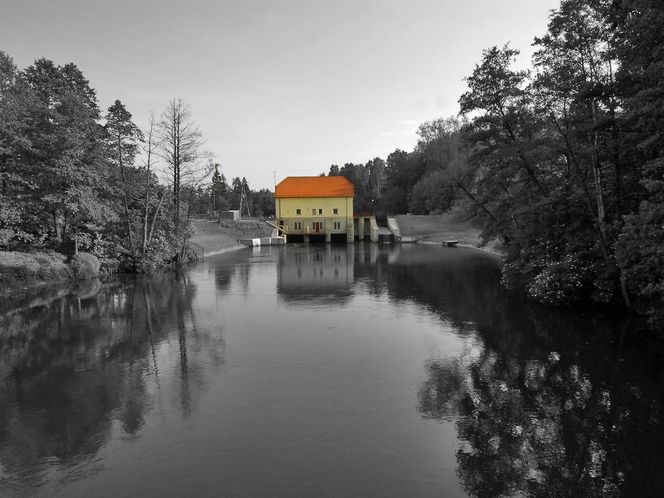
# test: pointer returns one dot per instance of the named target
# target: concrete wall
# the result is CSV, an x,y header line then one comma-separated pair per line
x,y
393,226
366,228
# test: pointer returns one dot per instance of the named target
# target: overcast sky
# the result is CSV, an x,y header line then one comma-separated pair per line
x,y
290,86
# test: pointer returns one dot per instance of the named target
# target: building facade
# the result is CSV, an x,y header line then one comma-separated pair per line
x,y
315,208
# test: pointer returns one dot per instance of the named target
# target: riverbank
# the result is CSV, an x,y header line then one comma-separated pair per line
x,y
438,229
211,237
26,270
21,271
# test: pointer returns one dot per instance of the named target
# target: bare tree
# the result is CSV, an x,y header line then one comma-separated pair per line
x,y
179,144
150,148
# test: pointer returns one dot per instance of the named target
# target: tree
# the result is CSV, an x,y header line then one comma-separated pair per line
x,y
64,163
151,185
13,139
263,203
402,172
376,169
180,144
576,89
218,190
123,137
640,245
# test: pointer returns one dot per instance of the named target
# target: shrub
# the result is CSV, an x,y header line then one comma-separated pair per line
x,y
17,267
84,265
640,256
51,266
559,283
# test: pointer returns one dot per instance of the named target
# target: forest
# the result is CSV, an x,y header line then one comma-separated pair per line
x,y
562,162
76,179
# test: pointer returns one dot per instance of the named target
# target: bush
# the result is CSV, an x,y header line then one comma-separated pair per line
x,y
51,266
640,256
84,265
17,267
559,283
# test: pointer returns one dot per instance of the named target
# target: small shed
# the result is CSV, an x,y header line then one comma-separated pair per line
x,y
230,215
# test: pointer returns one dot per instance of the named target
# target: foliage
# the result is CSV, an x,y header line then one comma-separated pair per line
x,y
559,158
17,268
562,163
69,179
84,265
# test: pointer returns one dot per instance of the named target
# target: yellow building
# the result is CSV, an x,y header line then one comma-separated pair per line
x,y
315,208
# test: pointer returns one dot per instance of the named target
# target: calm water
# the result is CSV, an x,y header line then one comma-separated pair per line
x,y
333,371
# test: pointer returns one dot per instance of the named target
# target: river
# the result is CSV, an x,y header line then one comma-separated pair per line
x,y
329,371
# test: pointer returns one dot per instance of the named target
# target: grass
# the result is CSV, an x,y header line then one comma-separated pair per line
x,y
21,269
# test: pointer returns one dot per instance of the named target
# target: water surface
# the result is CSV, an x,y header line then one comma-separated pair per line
x,y
324,370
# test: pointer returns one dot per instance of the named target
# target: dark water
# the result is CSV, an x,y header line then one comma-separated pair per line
x,y
328,371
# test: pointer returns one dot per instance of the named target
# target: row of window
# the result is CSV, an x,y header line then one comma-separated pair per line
x,y
316,211
298,225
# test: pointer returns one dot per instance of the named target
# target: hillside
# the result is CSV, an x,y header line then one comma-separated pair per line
x,y
214,237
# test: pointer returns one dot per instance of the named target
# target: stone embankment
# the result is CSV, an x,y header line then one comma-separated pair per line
x,y
212,237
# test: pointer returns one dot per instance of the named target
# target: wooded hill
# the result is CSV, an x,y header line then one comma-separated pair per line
x,y
564,163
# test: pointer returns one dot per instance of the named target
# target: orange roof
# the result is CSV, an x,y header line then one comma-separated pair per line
x,y
314,186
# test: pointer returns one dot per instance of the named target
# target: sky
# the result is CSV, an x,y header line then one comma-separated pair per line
x,y
278,87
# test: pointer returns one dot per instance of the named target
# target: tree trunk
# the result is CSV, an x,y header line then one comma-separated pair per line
x,y
56,226
148,189
156,213
124,198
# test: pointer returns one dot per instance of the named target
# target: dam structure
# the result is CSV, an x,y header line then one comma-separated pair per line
x,y
320,209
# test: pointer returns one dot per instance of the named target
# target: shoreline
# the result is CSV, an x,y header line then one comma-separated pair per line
x,y
485,250
216,252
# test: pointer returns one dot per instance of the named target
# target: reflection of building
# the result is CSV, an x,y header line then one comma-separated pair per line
x,y
315,207
325,272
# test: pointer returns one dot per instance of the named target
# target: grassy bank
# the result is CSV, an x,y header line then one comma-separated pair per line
x,y
436,229
20,269
213,237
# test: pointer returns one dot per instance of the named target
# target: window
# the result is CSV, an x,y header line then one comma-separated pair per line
x,y
297,225
337,225
298,211
313,211
320,211
335,211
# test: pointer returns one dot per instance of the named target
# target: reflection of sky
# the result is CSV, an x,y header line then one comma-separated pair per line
x,y
232,389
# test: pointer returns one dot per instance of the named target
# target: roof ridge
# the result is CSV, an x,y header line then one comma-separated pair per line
x,y
315,186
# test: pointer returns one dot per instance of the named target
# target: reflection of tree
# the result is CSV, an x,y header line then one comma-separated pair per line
x,y
440,395
554,403
543,427
70,365
223,275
